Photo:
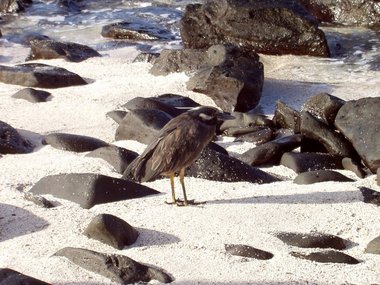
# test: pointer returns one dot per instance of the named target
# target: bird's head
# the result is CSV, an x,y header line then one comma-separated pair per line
x,y
209,115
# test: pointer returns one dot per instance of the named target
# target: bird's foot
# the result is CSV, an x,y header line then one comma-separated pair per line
x,y
182,203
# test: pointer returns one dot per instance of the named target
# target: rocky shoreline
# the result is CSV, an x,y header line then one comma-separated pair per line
x,y
326,135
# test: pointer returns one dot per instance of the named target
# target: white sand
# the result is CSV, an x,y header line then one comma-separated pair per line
x,y
187,242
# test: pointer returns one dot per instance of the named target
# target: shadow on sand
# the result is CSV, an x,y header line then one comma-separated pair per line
x,y
15,222
336,197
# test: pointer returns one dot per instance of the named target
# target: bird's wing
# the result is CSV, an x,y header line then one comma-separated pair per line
x,y
138,166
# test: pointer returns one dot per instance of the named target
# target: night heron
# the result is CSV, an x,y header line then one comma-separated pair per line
x,y
177,145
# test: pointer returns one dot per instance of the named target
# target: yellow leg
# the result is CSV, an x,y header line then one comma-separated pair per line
x,y
172,187
182,180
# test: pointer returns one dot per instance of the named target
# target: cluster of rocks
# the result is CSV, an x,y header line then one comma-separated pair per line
x,y
331,134
314,240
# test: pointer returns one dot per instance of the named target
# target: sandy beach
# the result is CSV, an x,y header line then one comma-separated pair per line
x,y
186,242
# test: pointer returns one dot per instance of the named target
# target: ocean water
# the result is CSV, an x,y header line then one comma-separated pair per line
x,y
355,51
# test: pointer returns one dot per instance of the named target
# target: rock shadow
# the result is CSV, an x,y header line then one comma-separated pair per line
x,y
15,222
148,237
336,197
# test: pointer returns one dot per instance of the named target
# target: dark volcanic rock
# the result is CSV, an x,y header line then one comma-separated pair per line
x,y
370,196
234,78
258,135
215,147
319,10
334,142
359,122
312,240
12,277
118,268
310,161
350,164
324,106
11,141
320,176
373,246
269,27
49,49
88,189
142,125
71,142
118,157
39,75
248,251
176,100
354,12
117,115
330,256
213,165
135,32
32,95
179,60
112,231
237,131
152,104
272,151
286,117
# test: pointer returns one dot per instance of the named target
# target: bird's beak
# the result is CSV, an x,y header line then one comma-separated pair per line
x,y
225,116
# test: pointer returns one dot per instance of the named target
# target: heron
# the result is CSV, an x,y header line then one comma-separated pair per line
x,y
176,146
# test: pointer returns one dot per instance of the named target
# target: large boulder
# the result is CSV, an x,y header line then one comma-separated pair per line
x,y
39,75
359,122
270,27
88,189
354,12
233,78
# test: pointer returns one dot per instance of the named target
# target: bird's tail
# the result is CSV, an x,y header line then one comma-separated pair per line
x,y
134,170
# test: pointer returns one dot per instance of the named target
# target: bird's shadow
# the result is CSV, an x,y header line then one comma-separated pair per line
x,y
336,197
15,222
